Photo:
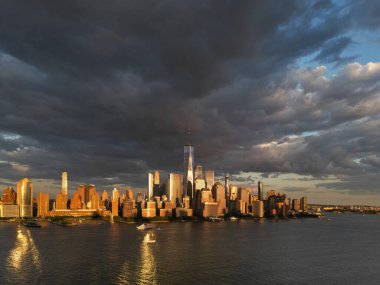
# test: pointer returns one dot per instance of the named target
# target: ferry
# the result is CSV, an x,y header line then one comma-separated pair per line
x,y
215,219
31,224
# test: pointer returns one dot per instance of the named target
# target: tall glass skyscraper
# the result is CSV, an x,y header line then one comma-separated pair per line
x,y
260,190
64,183
227,186
188,176
25,197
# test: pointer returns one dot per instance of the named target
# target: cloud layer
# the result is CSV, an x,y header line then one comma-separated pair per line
x,y
107,90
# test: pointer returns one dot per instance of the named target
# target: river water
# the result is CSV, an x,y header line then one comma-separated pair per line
x,y
338,249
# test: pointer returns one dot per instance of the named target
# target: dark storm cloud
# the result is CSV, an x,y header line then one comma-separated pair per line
x,y
106,90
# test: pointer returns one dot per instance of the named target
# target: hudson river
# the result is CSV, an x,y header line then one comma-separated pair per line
x,y
338,249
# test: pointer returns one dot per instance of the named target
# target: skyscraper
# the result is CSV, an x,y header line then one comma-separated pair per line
x,y
304,203
42,204
115,195
227,186
260,190
156,184
198,172
25,197
9,196
150,185
64,183
209,178
156,177
188,177
174,188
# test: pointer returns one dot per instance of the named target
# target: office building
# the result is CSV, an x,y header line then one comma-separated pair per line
x,y
209,175
9,211
258,209
260,190
198,172
25,197
304,203
295,205
64,183
227,187
9,196
75,202
129,209
210,209
150,185
150,210
174,188
233,193
115,208
128,194
115,195
42,204
218,195
60,201
95,201
85,192
199,183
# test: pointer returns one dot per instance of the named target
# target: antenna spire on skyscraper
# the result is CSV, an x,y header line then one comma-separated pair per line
x,y
188,136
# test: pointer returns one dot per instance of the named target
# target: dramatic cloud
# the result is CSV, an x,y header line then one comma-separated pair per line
x,y
107,90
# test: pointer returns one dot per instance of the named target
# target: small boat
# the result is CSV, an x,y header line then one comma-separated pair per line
x,y
31,224
215,219
144,227
234,219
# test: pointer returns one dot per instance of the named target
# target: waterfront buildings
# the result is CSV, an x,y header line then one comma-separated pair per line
x,y
194,193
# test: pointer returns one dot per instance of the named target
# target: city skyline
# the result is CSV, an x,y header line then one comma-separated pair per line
x,y
284,92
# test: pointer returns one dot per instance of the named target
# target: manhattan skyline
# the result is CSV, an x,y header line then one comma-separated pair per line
x,y
287,92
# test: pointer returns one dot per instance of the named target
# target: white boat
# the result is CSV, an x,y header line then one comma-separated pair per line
x,y
149,238
215,219
234,219
144,227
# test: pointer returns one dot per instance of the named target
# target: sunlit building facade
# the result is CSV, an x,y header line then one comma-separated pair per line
x,y
64,183
9,196
25,197
198,171
174,188
304,203
42,204
260,190
209,176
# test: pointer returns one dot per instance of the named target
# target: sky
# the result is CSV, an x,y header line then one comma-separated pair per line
x,y
284,91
